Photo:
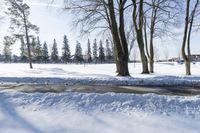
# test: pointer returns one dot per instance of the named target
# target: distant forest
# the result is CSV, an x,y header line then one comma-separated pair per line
x,y
95,52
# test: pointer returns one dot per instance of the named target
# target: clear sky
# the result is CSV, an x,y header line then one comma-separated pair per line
x,y
54,23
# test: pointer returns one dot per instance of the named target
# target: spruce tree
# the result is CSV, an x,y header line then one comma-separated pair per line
x,y
95,50
20,23
89,56
66,55
45,53
101,52
54,53
109,53
78,56
38,50
23,49
33,49
8,41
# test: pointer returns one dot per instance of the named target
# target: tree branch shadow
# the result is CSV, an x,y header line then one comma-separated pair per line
x,y
13,118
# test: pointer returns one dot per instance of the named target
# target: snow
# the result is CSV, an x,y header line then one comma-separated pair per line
x,y
166,74
71,112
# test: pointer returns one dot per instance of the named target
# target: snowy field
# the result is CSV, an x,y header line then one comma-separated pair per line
x,y
165,74
72,112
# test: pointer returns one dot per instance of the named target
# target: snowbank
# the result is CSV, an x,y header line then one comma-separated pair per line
x,y
88,113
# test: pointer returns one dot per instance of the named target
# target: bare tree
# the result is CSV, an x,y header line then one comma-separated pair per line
x,y
138,21
19,13
190,13
107,15
159,17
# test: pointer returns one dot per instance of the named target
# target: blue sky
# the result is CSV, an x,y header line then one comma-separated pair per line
x,y
54,23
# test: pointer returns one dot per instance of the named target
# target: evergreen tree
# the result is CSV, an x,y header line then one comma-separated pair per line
x,y
89,56
8,41
54,53
23,49
95,50
38,50
109,53
101,52
78,56
66,55
19,21
45,53
33,49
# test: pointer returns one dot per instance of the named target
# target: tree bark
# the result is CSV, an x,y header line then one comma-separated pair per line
x,y
187,34
27,41
139,31
122,59
124,44
185,37
151,57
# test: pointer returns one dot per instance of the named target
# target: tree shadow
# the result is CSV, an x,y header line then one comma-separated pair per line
x,y
13,118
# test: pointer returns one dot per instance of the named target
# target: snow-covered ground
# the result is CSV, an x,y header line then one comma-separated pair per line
x,y
165,74
71,112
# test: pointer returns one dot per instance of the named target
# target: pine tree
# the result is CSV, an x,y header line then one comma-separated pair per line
x,y
109,53
95,50
101,52
78,56
8,41
66,55
54,53
38,50
33,49
23,49
19,21
89,56
45,53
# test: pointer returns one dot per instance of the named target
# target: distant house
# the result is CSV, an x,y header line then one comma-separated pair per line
x,y
195,58
174,59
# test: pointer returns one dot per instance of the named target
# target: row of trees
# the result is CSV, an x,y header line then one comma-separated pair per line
x,y
40,53
146,19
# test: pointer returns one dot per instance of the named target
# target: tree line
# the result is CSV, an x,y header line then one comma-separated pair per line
x,y
149,19
40,52
126,21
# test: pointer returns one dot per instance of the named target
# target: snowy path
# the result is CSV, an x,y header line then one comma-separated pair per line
x,y
32,88
96,113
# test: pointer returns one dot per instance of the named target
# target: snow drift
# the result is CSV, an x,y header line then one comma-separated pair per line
x,y
72,112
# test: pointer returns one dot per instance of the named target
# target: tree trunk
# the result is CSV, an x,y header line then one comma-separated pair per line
x,y
187,67
122,63
151,66
139,31
28,42
151,58
144,60
187,34
125,57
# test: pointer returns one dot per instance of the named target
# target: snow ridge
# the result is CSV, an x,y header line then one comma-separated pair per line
x,y
109,102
